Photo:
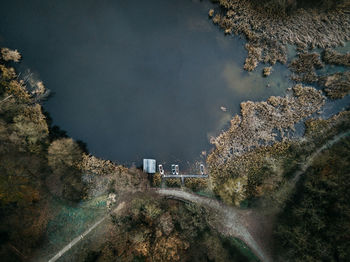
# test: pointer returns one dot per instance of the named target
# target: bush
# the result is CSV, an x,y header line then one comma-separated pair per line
x,y
173,182
196,184
64,156
157,180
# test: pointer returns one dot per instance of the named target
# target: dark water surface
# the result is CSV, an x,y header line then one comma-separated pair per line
x,y
135,79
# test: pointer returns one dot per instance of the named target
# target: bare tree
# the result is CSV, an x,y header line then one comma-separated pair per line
x,y
35,87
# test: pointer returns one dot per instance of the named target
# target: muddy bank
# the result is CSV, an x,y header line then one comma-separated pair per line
x,y
268,32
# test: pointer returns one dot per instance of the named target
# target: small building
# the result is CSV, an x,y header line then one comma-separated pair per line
x,y
149,166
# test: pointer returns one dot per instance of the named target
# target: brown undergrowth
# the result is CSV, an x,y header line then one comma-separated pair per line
x,y
269,30
336,85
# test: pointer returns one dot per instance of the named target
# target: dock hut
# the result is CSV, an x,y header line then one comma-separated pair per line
x,y
149,166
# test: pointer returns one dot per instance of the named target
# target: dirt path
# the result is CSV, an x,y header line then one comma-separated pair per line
x,y
227,220
76,240
308,162
79,238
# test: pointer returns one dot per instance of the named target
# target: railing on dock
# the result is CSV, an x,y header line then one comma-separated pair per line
x,y
175,173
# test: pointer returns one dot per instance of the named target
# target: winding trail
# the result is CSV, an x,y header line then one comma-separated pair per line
x,y
79,238
309,160
228,220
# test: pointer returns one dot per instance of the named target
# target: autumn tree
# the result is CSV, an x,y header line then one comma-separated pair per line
x,y
64,156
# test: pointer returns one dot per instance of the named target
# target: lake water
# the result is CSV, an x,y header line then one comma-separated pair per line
x,y
136,79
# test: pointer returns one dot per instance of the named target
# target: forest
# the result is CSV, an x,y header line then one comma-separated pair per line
x,y
315,223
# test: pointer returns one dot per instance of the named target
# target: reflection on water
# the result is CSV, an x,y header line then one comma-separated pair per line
x,y
139,78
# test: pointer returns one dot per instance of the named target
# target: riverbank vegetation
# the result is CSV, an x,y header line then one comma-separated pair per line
x,y
305,66
289,6
333,57
258,140
24,139
270,25
266,171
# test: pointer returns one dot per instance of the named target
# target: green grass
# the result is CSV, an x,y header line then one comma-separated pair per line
x,y
244,249
71,221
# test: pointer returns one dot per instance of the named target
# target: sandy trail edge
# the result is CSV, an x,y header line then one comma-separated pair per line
x,y
229,221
